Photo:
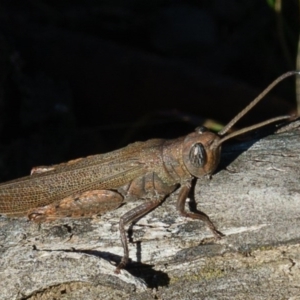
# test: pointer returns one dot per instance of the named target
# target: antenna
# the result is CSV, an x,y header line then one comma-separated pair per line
x,y
256,100
250,106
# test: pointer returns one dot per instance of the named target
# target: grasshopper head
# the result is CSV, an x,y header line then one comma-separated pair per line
x,y
202,149
201,152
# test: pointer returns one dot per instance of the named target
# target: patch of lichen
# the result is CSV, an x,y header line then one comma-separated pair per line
x,y
207,272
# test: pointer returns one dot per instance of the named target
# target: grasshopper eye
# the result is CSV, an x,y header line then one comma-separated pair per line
x,y
197,155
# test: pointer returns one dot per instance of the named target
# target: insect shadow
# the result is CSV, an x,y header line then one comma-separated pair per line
x,y
232,151
151,277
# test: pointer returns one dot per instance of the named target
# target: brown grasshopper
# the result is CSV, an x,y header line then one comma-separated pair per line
x,y
148,170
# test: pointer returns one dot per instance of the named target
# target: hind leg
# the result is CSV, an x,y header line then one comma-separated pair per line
x,y
86,204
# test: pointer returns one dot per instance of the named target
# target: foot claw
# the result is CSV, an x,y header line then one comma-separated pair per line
x,y
218,235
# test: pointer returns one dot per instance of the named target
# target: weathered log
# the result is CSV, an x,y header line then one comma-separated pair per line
x,y
254,199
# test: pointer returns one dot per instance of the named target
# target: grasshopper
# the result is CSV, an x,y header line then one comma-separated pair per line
x,y
148,170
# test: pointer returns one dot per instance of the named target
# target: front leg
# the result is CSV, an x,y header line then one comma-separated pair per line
x,y
183,194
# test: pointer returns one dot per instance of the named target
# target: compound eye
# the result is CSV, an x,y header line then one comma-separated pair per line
x,y
201,129
197,155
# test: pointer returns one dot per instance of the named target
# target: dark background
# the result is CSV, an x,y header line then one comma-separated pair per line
x,y
85,77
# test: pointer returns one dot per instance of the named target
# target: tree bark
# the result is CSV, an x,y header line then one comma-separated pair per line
x,y
253,199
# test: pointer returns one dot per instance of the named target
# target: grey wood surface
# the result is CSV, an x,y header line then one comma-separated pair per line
x,y
254,199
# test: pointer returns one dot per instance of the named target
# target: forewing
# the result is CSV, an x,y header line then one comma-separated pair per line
x,y
104,171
